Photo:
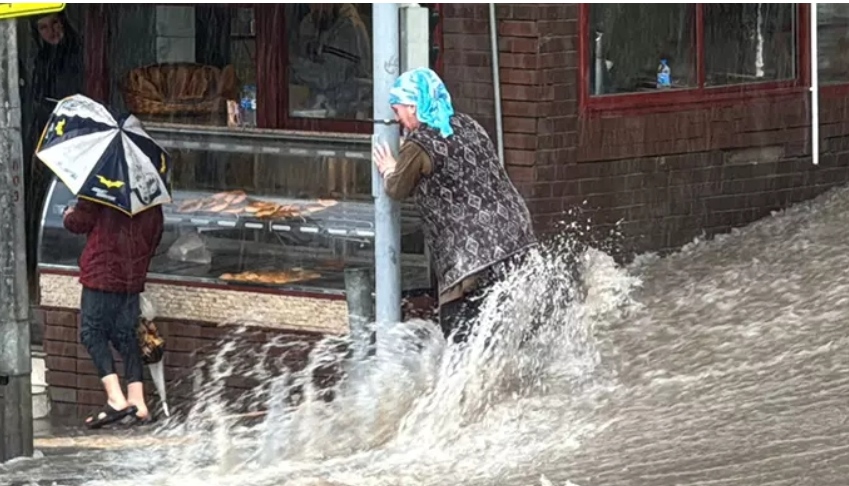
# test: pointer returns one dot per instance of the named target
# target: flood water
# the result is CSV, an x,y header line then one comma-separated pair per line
x,y
723,364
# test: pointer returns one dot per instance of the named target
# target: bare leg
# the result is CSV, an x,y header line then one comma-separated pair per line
x,y
135,396
114,394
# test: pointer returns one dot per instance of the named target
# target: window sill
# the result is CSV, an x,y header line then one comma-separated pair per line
x,y
677,100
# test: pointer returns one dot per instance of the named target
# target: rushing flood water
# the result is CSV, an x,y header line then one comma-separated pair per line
x,y
722,364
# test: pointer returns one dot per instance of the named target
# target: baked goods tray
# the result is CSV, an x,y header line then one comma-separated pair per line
x,y
317,216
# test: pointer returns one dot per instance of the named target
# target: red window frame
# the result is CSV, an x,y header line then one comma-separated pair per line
x,y
668,100
272,63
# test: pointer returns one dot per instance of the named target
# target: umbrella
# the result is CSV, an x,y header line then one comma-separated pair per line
x,y
105,158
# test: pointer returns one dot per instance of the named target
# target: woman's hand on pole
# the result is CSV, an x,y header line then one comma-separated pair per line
x,y
383,159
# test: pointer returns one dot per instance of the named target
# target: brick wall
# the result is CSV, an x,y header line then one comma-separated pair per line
x,y
75,389
536,91
664,177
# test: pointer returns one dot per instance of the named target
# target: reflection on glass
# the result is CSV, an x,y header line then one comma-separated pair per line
x,y
261,220
330,61
833,42
180,63
273,175
749,42
629,41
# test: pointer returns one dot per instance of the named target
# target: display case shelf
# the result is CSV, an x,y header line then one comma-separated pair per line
x,y
260,141
246,202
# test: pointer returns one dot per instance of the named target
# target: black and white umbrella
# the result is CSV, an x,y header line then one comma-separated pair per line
x,y
104,157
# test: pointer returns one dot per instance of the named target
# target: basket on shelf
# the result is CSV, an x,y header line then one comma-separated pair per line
x,y
179,89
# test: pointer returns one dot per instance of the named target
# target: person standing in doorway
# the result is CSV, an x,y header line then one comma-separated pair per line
x,y
57,73
113,272
476,224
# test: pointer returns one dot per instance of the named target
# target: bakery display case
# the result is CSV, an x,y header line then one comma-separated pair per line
x,y
256,209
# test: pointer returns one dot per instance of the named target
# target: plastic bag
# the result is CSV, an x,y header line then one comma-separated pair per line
x,y
190,248
152,344
148,310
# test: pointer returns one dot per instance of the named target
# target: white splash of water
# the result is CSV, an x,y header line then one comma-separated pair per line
x,y
417,411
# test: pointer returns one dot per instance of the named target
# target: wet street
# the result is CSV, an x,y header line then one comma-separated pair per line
x,y
733,370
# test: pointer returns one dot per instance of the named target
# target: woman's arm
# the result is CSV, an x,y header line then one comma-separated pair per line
x,y
413,163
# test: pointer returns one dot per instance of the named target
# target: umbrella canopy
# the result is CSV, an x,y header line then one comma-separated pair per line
x,y
105,158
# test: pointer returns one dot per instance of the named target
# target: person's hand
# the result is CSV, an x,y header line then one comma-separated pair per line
x,y
383,159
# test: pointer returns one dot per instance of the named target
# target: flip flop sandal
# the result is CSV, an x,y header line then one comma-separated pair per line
x,y
136,421
108,415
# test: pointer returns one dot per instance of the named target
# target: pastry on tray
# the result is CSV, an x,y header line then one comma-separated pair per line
x,y
237,202
277,277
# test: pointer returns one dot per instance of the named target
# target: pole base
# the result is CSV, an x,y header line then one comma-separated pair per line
x,y
16,418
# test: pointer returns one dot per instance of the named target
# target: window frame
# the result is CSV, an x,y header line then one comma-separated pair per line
x,y
272,67
701,94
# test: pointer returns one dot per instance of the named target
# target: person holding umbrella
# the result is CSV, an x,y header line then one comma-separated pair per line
x,y
476,224
120,176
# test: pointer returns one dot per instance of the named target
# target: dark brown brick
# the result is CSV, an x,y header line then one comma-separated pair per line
x,y
61,334
61,379
521,108
465,26
529,77
61,318
519,141
184,329
60,363
524,158
519,124
91,397
557,27
518,61
91,382
518,28
518,45
85,367
62,395
466,42
60,348
180,360
520,174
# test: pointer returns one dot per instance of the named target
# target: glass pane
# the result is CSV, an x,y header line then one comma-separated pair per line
x,y
637,48
259,215
330,60
182,63
833,42
749,42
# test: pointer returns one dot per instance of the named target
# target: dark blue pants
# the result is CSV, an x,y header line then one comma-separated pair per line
x,y
109,317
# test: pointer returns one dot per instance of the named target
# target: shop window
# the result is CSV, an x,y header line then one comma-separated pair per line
x,y
329,68
282,66
651,54
634,38
749,42
833,43
180,63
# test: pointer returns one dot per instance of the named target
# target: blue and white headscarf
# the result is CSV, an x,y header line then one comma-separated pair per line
x,y
422,88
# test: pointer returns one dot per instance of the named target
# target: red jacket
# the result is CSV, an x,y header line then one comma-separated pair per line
x,y
118,248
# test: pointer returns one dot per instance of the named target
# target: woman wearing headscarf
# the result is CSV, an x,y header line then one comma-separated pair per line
x,y
476,224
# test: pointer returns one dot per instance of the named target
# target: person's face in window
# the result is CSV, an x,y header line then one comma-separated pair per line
x,y
406,116
51,30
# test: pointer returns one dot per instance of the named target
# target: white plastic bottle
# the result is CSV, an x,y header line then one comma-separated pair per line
x,y
664,75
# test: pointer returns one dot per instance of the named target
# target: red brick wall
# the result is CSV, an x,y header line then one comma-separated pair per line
x,y
75,389
537,68
666,177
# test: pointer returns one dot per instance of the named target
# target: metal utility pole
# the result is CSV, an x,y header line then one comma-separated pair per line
x,y
387,214
15,361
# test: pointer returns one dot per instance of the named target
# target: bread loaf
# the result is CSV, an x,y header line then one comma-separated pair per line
x,y
181,83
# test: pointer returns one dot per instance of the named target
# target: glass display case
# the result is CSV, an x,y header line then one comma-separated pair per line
x,y
258,209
